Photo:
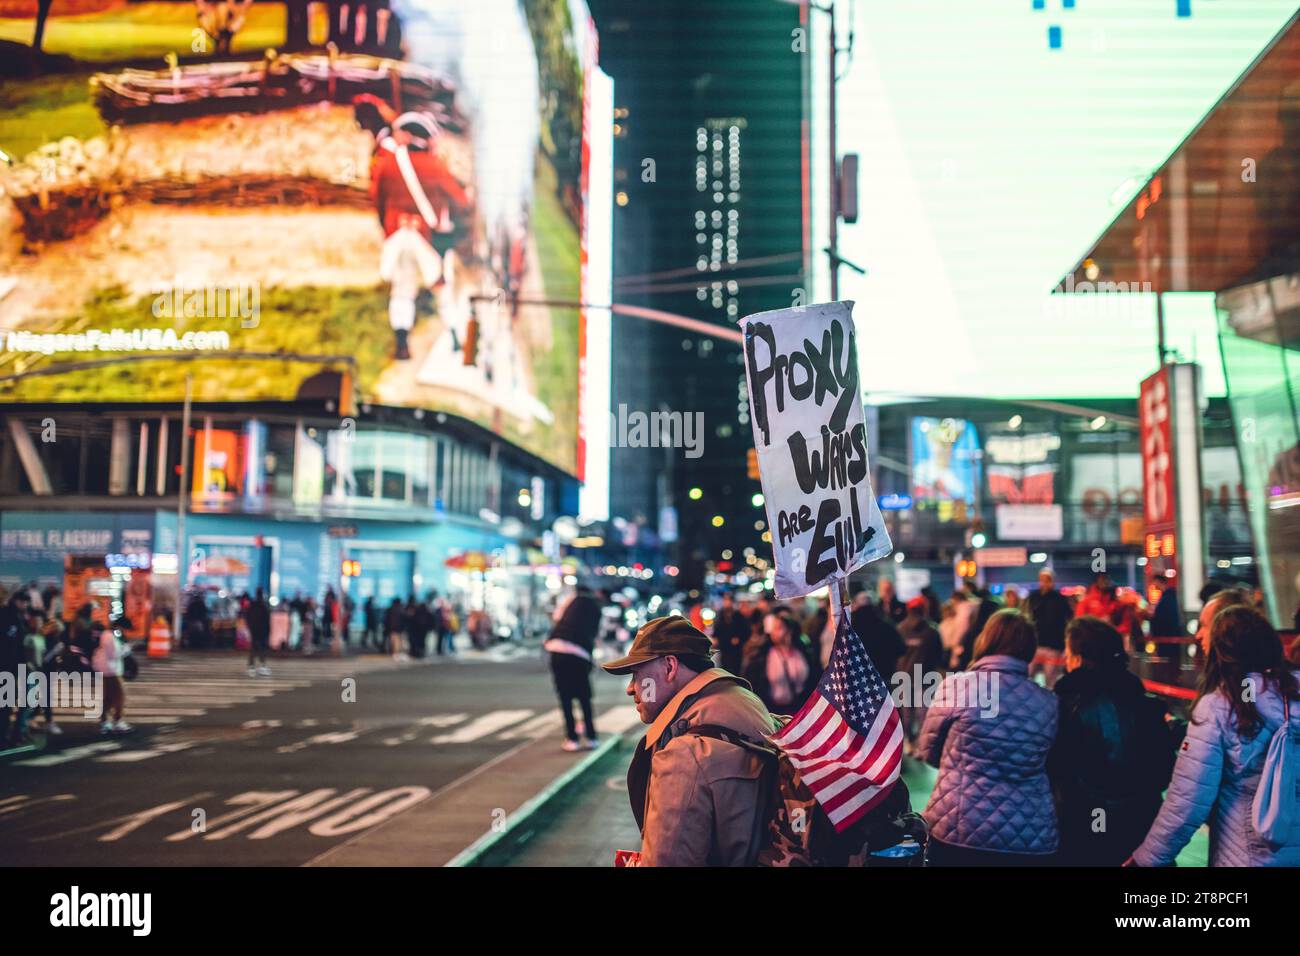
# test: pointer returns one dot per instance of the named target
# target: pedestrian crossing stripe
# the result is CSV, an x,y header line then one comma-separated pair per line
x,y
482,726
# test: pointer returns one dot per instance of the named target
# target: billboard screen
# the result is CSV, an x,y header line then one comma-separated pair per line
x,y
945,465
281,198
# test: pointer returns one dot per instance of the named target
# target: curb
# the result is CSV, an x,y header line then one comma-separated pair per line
x,y
471,855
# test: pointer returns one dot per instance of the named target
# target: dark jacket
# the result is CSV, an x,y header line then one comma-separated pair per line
x,y
1050,613
881,639
1112,759
580,622
258,619
987,608
12,631
730,632
1167,619
923,647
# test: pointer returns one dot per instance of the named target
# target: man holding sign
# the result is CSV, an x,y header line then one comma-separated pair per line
x,y
717,780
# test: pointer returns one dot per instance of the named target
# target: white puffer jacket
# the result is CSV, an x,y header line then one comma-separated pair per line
x,y
1215,780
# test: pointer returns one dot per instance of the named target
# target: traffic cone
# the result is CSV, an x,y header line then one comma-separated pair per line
x,y
160,638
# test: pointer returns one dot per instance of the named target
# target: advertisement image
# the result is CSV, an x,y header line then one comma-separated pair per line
x,y
294,200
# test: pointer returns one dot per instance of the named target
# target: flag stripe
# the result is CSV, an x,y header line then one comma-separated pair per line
x,y
846,741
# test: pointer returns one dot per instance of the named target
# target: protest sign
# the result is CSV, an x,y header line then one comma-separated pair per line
x,y
801,365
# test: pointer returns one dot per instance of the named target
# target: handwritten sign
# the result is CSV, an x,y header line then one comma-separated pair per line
x,y
801,365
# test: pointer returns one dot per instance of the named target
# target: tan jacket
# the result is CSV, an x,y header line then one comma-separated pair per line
x,y
697,799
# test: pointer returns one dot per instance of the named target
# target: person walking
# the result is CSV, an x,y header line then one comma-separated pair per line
x,y
922,657
370,616
107,662
570,646
257,617
1113,753
879,636
697,800
888,604
1166,618
419,622
1247,708
989,731
442,625
395,628
13,628
731,630
1050,611
783,670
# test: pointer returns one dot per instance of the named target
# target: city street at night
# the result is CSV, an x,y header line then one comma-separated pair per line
x,y
453,450
284,773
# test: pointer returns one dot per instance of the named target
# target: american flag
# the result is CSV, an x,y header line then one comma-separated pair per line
x,y
847,740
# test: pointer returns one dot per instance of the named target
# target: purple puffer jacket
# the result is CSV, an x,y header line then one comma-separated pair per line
x,y
989,731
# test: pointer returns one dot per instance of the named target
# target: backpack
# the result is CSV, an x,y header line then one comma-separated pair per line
x,y
797,831
1273,809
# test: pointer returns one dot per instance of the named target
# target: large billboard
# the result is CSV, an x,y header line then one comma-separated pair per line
x,y
282,198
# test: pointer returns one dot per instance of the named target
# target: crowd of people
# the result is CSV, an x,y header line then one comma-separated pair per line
x,y
403,628
34,634
1062,757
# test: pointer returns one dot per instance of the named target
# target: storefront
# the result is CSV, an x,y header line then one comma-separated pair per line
x,y
1222,215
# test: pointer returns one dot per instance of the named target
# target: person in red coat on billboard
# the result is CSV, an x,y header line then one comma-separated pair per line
x,y
416,197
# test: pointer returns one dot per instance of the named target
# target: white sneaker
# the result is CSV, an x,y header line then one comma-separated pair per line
x,y
53,728
122,727
264,671
252,672
591,744
569,746
106,727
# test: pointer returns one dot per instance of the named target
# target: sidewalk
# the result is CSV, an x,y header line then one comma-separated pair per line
x,y
486,800
592,819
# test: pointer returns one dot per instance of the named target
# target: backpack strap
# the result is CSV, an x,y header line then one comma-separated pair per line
x,y
727,735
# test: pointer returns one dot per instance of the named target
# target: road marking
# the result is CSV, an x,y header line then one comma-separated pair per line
x,y
69,755
446,788
482,726
539,726
133,756
442,720
21,802
617,720
334,737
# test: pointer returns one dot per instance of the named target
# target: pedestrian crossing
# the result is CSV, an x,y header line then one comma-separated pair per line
x,y
168,691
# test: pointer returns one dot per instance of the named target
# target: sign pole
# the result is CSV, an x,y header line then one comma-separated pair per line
x,y
182,555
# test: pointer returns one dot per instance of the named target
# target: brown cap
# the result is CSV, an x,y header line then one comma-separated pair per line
x,y
664,636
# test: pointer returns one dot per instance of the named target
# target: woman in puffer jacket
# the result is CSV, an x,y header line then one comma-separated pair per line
x,y
989,730
1222,756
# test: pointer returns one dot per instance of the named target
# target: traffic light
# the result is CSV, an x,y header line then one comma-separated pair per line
x,y
967,568
751,462
351,569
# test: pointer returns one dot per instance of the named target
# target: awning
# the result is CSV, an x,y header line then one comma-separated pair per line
x,y
1224,209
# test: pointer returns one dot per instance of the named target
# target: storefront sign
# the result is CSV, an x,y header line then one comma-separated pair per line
x,y
1001,557
810,433
1030,522
1169,429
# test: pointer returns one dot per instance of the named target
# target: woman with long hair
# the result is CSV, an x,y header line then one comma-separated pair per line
x,y
1113,753
1248,690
